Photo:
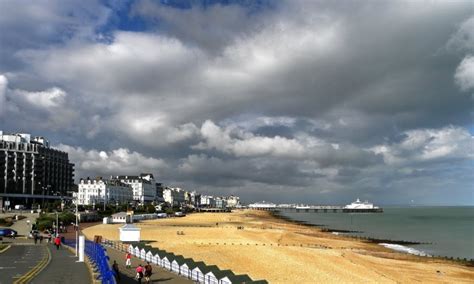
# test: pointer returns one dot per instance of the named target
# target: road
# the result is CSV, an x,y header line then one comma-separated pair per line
x,y
19,262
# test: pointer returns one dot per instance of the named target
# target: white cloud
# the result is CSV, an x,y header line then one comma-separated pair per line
x,y
303,147
115,162
463,39
248,145
465,73
429,145
50,98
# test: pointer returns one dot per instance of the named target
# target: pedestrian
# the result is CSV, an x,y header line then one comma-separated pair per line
x,y
148,272
35,237
57,242
115,268
139,275
41,239
128,261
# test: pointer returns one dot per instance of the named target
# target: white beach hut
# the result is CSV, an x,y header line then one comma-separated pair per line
x,y
137,251
129,233
148,256
155,259
159,254
130,249
197,275
212,277
142,253
166,261
184,270
175,266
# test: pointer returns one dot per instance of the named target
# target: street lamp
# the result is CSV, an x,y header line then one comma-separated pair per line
x,y
77,225
57,223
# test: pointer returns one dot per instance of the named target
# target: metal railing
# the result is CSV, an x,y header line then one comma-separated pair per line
x,y
97,255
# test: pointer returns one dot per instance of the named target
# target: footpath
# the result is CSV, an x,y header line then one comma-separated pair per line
x,y
127,275
63,268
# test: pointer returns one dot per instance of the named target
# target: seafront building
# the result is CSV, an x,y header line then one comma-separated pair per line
x,y
174,196
232,201
159,193
103,192
31,171
143,186
207,201
221,202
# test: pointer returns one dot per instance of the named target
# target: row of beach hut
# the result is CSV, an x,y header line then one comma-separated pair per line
x,y
195,270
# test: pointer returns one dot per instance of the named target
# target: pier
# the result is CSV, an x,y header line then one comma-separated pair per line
x,y
319,209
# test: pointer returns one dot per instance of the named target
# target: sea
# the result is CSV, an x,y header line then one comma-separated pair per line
x,y
442,231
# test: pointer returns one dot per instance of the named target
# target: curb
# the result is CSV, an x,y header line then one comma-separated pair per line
x,y
4,249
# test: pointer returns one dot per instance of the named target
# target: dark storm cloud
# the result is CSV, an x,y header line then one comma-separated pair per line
x,y
300,100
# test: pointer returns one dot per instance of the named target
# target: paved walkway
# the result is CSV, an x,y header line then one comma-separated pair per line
x,y
127,275
63,268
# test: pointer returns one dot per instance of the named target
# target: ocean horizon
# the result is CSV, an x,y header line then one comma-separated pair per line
x,y
441,230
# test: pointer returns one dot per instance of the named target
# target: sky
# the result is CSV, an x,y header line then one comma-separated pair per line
x,y
318,102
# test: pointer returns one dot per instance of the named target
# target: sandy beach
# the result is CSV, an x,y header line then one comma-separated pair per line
x,y
283,252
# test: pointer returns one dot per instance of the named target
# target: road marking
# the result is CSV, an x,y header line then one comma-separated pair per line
x,y
3,250
36,270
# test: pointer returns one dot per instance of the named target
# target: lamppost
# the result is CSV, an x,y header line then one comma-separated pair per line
x,y
77,225
57,223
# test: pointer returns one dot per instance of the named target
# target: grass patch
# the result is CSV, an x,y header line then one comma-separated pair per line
x,y
6,222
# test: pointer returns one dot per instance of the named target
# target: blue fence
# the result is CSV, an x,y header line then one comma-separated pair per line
x,y
98,258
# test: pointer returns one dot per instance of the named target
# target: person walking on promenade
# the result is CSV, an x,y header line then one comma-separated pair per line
x,y
115,268
148,272
57,242
35,237
128,261
139,275
41,239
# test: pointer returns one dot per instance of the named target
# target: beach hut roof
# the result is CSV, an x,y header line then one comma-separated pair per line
x,y
198,264
219,274
206,269
157,251
239,278
170,256
178,258
129,227
259,282
187,261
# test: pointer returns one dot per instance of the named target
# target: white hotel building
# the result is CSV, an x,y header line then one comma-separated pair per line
x,y
143,187
174,196
99,191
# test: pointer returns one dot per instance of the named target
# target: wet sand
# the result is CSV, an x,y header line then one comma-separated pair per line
x,y
284,252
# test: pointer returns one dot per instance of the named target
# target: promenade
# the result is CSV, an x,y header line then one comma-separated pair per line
x,y
127,275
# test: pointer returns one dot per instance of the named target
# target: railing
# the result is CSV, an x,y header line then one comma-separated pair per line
x,y
99,260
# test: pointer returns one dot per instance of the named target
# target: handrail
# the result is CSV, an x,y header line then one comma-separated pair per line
x,y
98,257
